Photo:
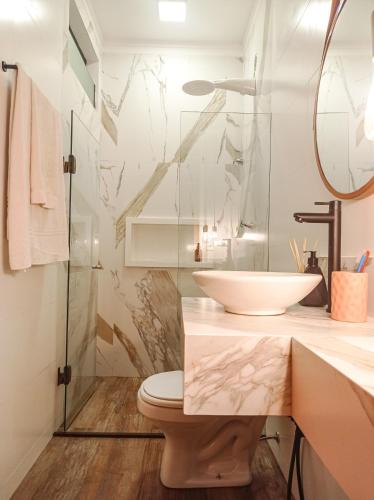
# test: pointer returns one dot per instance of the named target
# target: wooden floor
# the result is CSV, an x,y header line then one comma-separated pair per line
x,y
112,408
128,469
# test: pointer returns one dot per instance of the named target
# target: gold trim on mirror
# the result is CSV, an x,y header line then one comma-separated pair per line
x,y
368,188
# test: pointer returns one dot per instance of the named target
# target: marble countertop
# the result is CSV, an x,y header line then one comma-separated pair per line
x,y
204,316
301,364
226,352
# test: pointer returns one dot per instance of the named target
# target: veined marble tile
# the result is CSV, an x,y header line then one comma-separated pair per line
x,y
141,149
145,141
108,123
136,206
107,334
156,319
236,364
238,376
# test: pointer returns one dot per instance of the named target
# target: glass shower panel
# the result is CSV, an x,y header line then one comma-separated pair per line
x,y
83,270
224,188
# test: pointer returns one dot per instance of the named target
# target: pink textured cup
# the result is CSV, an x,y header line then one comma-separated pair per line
x,y
349,296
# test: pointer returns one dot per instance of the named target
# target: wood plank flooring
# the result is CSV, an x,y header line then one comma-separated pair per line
x,y
128,469
112,408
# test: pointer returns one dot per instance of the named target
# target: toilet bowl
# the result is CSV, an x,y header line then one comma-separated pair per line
x,y
200,451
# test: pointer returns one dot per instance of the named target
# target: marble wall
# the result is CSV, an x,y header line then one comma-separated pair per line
x,y
288,38
224,181
150,128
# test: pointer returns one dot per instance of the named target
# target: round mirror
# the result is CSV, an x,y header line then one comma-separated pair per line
x,y
344,112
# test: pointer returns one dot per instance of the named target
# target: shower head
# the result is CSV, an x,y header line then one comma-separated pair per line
x,y
204,87
198,87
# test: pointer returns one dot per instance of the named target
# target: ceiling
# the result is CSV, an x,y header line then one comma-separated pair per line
x,y
208,23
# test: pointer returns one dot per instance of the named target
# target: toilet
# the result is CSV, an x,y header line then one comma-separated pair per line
x,y
200,451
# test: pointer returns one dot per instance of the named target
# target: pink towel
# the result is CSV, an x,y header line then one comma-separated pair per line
x,y
37,226
45,150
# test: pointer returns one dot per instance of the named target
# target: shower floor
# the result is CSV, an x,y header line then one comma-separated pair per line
x,y
112,408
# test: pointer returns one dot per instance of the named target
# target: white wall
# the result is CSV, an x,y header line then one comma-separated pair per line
x,y
289,43
296,183
32,306
33,303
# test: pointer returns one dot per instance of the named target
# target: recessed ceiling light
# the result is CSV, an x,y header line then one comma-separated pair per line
x,y
19,10
172,11
316,16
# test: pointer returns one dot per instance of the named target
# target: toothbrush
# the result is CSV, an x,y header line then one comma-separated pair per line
x,y
367,255
363,262
360,264
366,261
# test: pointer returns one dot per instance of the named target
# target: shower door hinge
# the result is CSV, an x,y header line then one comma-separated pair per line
x,y
64,376
70,165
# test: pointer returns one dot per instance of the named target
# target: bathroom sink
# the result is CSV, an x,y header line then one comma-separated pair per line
x,y
256,293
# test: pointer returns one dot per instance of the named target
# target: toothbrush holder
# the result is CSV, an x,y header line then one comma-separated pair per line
x,y
349,296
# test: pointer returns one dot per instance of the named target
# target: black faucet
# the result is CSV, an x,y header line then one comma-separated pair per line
x,y
334,219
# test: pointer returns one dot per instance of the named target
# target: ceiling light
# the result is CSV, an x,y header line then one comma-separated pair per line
x,y
316,16
19,10
172,11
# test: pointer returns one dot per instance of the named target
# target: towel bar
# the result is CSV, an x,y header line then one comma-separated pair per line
x,y
6,66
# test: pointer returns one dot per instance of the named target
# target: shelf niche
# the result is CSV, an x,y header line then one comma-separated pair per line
x,y
162,242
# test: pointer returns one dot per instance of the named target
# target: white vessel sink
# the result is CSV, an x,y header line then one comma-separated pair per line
x,y
256,293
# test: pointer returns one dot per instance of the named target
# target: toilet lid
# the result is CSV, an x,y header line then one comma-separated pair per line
x,y
164,389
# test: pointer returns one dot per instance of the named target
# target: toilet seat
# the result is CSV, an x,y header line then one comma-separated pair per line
x,y
163,389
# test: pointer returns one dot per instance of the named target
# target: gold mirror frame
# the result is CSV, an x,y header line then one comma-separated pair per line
x,y
368,188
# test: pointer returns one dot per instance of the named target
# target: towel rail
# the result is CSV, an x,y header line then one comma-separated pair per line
x,y
6,66
69,166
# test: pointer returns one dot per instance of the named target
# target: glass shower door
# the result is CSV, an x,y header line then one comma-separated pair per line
x,y
83,270
224,194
